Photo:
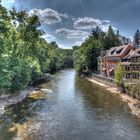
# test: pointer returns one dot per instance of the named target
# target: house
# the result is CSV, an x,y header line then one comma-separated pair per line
x,y
131,64
135,64
100,61
114,57
126,62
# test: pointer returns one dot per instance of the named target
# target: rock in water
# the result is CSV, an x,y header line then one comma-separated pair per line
x,y
37,95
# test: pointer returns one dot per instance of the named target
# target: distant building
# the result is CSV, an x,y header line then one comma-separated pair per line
x,y
124,40
114,57
101,64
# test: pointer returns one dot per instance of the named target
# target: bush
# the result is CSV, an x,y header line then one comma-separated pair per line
x,y
133,90
119,75
21,75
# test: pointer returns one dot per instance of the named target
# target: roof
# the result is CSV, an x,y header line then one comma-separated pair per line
x,y
136,53
103,53
116,51
130,54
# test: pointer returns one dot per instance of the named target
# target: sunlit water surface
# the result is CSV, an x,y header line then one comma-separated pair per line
x,y
75,109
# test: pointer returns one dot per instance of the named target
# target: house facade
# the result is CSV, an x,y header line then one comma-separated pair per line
x,y
101,64
131,64
126,62
114,57
135,64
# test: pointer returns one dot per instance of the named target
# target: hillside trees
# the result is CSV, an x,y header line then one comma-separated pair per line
x,y
85,56
111,39
24,55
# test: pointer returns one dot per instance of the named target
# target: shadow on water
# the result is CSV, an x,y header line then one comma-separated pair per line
x,y
75,109
18,115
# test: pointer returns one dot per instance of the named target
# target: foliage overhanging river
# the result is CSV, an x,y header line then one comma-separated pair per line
x,y
75,109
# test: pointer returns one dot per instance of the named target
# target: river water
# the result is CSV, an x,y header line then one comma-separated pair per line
x,y
75,109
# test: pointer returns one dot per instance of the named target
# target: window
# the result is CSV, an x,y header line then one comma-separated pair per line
x,y
113,51
119,51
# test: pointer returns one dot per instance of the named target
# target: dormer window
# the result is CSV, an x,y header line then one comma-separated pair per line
x,y
119,51
113,51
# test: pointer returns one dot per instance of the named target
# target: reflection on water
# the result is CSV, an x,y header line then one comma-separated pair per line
x,y
75,109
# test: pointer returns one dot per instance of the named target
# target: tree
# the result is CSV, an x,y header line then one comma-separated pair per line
x,y
119,74
85,57
111,40
96,33
54,44
24,55
92,50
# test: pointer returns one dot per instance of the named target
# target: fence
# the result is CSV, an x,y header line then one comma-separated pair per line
x,y
105,80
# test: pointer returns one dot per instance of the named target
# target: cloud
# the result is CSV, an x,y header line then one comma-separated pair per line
x,y
64,46
48,16
71,34
11,1
91,23
15,23
106,22
86,23
48,37
78,43
105,28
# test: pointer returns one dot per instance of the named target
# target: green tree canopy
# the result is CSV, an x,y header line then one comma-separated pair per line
x,y
24,55
111,40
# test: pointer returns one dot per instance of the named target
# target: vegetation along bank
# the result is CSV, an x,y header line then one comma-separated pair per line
x,y
25,56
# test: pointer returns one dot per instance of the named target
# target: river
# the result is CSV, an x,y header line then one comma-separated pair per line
x,y
75,109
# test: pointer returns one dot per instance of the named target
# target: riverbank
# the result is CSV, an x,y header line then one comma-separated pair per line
x,y
14,98
133,104
7,100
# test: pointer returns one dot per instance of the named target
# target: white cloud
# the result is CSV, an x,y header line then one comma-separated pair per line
x,y
71,34
64,46
78,43
86,23
48,37
15,23
105,28
11,1
91,23
48,16
106,22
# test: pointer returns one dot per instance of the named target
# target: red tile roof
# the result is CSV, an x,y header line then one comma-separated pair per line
x,y
130,54
116,51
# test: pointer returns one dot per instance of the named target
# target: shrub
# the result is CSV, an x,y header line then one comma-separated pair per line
x,y
119,75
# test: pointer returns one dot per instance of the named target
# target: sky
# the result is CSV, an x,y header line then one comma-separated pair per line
x,y
69,22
